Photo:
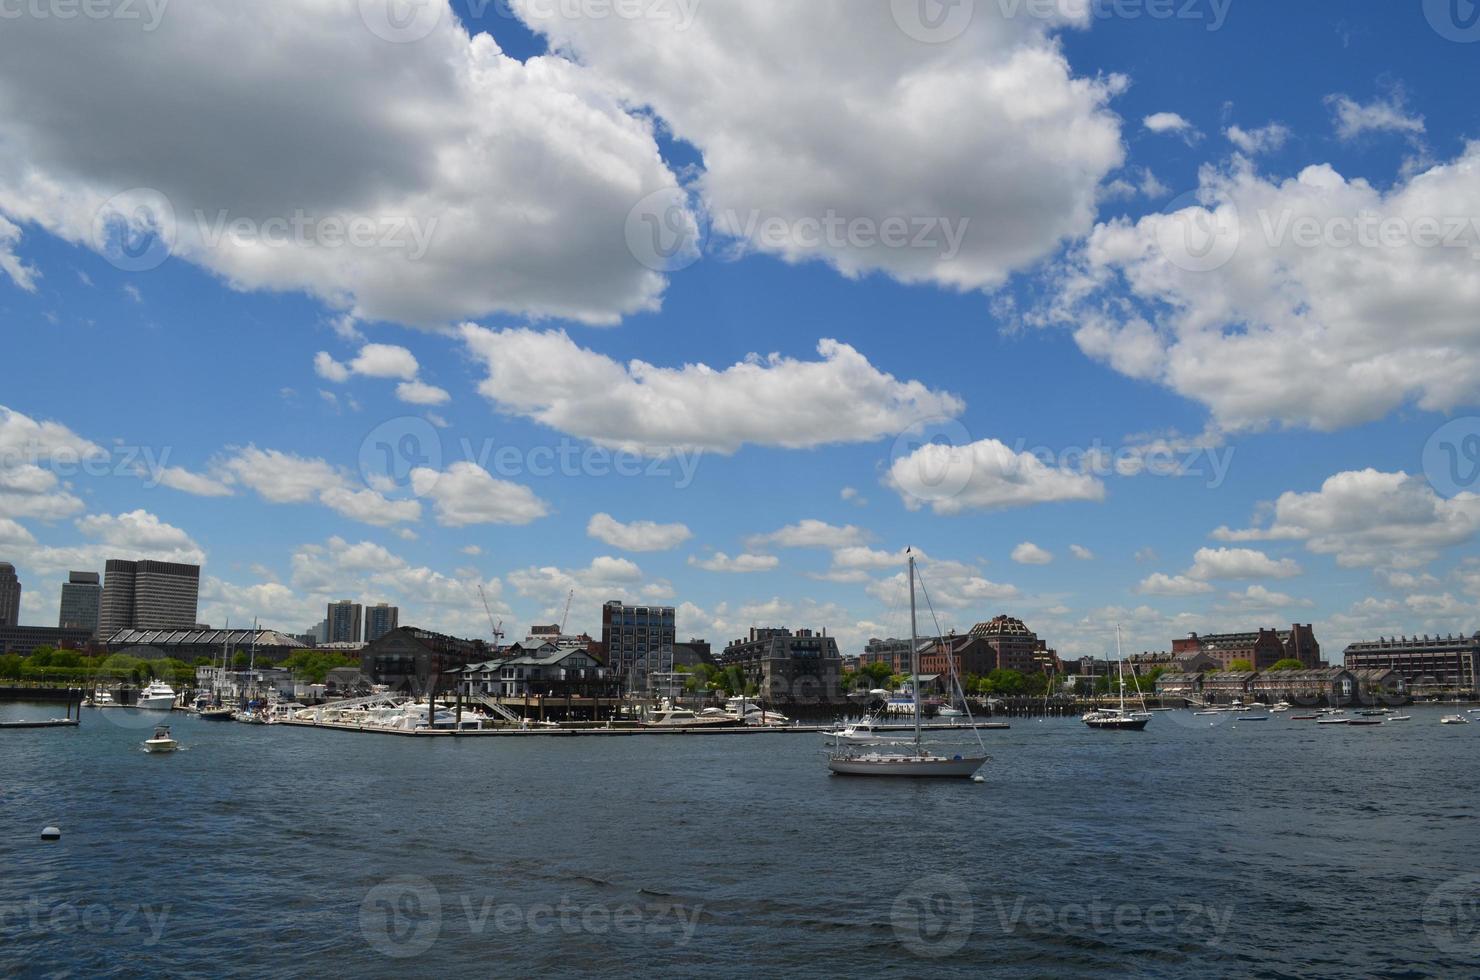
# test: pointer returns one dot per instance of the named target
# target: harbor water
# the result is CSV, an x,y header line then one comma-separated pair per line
x,y
1202,846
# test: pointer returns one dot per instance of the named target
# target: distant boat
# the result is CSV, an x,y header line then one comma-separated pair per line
x,y
1399,717
1364,721
1454,720
102,699
1281,706
1121,718
1331,720
161,742
668,716
916,761
158,696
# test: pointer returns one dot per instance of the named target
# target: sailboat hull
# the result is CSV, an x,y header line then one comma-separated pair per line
x,y
1118,724
908,766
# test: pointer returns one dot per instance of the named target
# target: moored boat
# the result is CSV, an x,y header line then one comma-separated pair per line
x,y
158,696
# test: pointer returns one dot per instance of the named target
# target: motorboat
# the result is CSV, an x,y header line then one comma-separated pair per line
x,y
1399,717
746,710
215,713
158,696
1454,720
845,759
669,716
950,712
1281,706
161,742
1333,720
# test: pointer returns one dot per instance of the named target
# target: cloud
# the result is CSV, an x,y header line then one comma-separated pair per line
x,y
948,584
1166,122
1029,553
421,393
809,533
1265,139
1240,301
1389,115
385,361
197,484
134,535
284,478
792,106
444,180
984,475
1080,552
1236,563
1371,518
1160,583
772,401
466,494
721,562
585,588
637,535
1258,597
30,454
24,276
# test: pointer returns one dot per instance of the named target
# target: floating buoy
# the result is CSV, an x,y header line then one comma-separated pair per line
x,y
51,833
978,779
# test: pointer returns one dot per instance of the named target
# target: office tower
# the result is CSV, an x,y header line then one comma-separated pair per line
x,y
152,595
344,621
10,596
638,641
379,620
82,602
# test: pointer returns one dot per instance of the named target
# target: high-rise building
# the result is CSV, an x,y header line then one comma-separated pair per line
x,y
321,632
10,596
638,641
380,619
82,602
156,595
344,621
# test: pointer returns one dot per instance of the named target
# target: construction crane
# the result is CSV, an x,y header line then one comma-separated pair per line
x,y
564,618
497,629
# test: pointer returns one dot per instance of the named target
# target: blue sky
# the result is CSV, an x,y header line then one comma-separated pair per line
x,y
1294,386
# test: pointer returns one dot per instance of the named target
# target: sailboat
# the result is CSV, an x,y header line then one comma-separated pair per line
x,y
1119,719
214,710
915,760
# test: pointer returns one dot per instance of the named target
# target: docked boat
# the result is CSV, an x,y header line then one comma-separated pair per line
x,y
845,759
217,712
162,741
668,716
746,710
1305,717
1454,720
1281,706
1121,718
158,696
1333,720
101,699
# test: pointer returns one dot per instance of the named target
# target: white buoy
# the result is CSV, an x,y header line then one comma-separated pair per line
x,y
978,779
51,833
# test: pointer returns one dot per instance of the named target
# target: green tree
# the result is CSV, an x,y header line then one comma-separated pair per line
x,y
1006,682
10,666
1240,664
1289,663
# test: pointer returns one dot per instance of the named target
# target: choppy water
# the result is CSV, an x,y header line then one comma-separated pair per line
x,y
1192,849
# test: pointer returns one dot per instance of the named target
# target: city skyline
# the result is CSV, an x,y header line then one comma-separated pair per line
x,y
1175,438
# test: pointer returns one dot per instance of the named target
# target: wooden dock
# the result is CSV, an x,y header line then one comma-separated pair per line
x,y
619,731
53,723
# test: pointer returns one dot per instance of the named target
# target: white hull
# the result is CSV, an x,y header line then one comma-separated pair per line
x,y
160,745
160,703
903,765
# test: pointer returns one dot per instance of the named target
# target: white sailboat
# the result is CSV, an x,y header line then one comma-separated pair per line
x,y
846,759
1121,718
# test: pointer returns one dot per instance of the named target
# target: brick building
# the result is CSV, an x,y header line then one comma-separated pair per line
x,y
1262,648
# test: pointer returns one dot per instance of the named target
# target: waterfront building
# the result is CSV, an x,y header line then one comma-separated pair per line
x,y
1262,648
24,639
188,645
800,667
540,635
148,595
344,620
692,654
10,595
1017,646
380,619
1227,685
1180,684
544,672
411,660
1426,663
637,641
894,653
82,602
965,654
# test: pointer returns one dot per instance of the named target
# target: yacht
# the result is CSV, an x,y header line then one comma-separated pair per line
x,y
668,716
845,759
743,709
158,696
1454,720
1281,706
102,699
1122,718
161,742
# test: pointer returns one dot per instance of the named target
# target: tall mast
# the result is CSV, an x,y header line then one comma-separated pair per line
x,y
1120,657
914,654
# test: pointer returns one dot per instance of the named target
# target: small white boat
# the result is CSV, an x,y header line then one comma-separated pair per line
x,y
1454,720
1333,720
161,742
670,717
950,712
1399,717
1281,706
101,699
158,696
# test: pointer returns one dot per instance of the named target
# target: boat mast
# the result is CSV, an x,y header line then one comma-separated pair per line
x,y
914,654
1120,657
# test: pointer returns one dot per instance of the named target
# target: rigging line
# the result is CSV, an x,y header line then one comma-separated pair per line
x,y
950,662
